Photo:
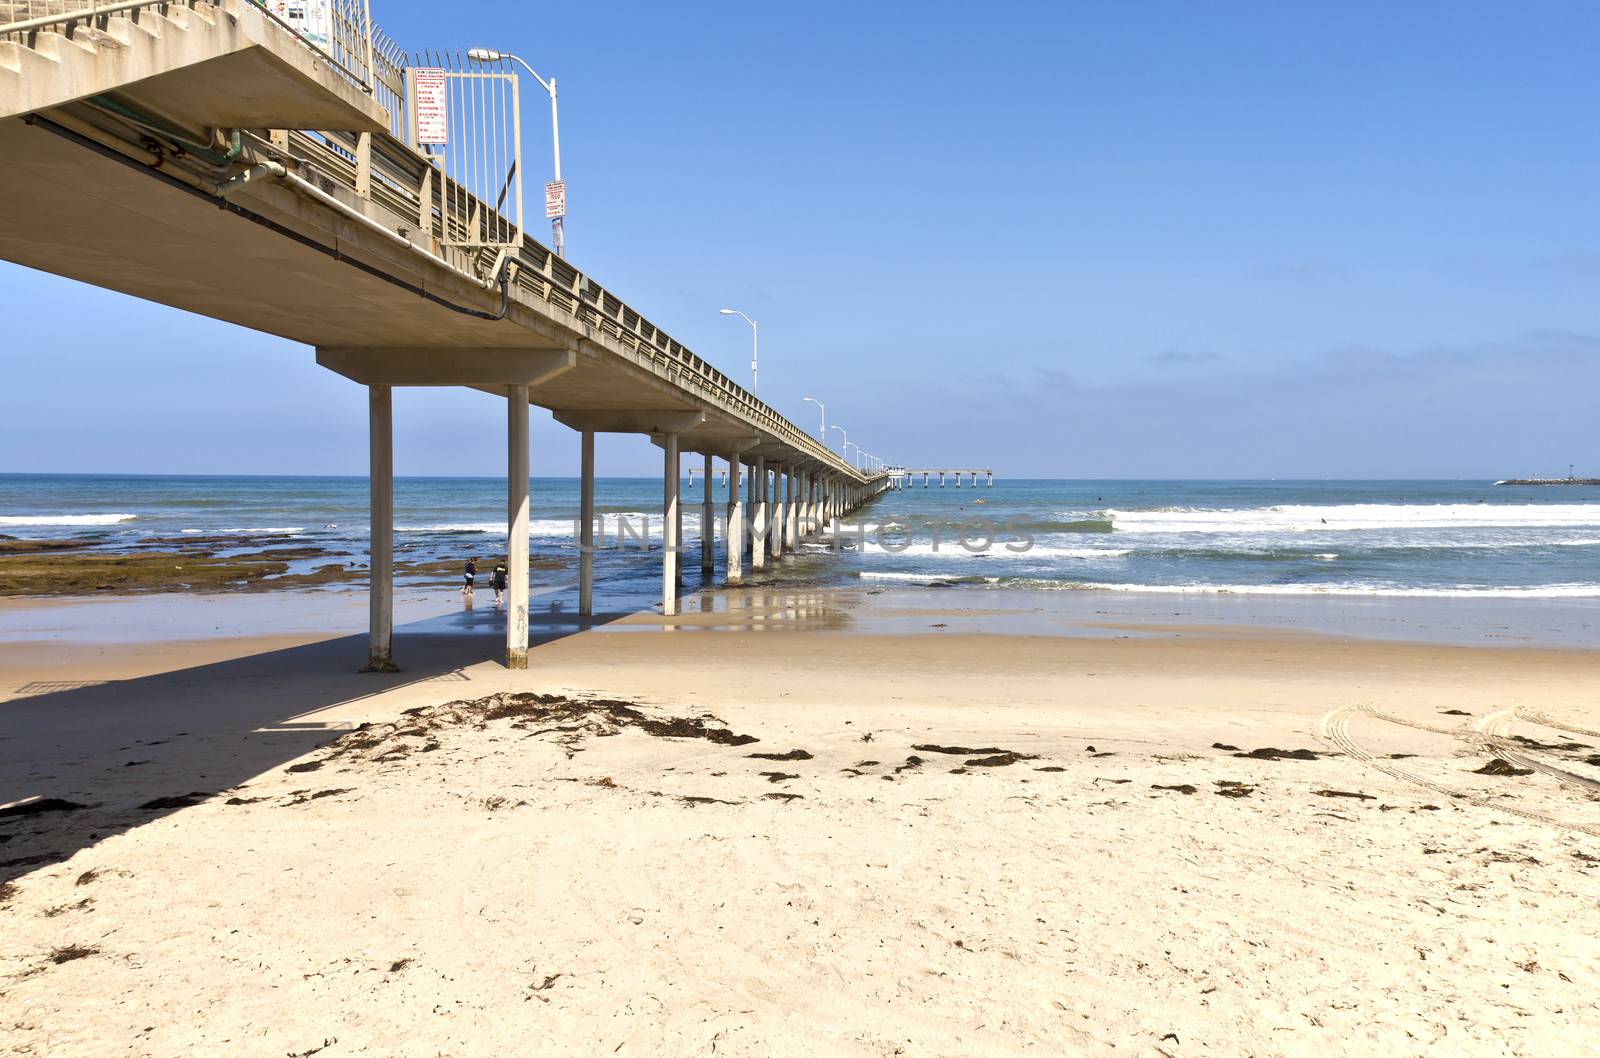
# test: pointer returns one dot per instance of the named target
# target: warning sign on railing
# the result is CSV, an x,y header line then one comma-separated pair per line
x,y
430,105
555,199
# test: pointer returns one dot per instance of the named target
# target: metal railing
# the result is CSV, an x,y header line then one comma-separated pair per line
x,y
457,213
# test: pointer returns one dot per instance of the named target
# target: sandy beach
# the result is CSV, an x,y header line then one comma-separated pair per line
x,y
748,834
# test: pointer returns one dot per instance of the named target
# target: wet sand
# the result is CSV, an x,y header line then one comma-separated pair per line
x,y
774,834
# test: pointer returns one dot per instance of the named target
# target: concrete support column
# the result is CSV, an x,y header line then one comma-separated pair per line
x,y
708,529
517,527
750,512
775,520
670,525
793,536
758,537
586,527
735,542
380,585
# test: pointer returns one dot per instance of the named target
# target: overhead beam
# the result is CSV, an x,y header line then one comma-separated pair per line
x,y
662,421
446,366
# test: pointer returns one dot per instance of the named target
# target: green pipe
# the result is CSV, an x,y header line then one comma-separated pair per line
x,y
105,102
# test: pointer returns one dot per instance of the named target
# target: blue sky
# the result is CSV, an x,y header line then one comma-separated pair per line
x,y
1078,240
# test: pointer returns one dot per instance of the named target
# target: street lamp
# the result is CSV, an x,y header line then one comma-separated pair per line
x,y
845,439
755,345
849,445
823,429
557,226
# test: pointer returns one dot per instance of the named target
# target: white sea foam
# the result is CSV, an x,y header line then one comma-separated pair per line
x,y
989,549
65,519
1355,516
647,525
455,527
1549,591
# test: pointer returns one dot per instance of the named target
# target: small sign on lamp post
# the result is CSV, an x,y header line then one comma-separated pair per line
x,y
555,199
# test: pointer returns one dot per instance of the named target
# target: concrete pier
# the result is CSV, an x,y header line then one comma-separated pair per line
x,y
380,591
104,210
517,527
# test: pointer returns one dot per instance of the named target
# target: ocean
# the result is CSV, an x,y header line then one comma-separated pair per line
x,y
1378,538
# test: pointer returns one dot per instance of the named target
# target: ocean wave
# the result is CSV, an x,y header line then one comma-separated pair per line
x,y
1549,591
925,579
65,519
1355,516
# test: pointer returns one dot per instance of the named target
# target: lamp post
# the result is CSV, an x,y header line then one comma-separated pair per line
x,y
845,440
755,347
849,445
482,56
823,429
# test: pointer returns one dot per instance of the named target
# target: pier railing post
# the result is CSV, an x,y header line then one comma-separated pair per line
x,y
380,586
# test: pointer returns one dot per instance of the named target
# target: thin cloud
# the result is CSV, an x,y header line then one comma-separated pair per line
x,y
1175,358
1298,273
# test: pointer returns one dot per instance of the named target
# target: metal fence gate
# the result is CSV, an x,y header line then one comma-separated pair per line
x,y
465,118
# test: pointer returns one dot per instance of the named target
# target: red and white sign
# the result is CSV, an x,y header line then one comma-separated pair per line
x,y
555,199
431,105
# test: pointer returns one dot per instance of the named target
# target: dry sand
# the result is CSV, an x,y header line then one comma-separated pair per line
x,y
1090,874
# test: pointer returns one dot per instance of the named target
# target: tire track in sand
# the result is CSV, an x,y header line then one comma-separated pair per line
x,y
1495,730
1533,716
1334,728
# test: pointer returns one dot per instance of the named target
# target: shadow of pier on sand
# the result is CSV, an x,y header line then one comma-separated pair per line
x,y
128,752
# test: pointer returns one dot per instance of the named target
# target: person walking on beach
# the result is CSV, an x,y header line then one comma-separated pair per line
x,y
471,578
498,579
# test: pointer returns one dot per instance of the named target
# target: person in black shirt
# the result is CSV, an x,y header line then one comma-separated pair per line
x,y
498,579
470,579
